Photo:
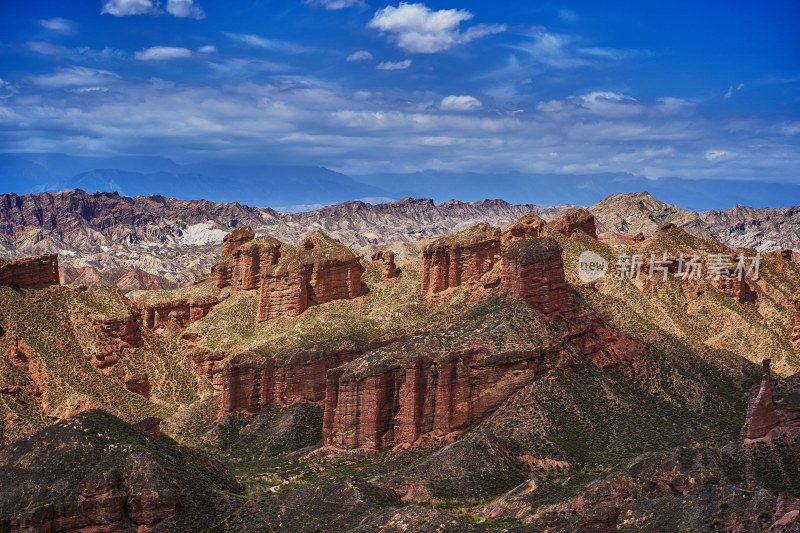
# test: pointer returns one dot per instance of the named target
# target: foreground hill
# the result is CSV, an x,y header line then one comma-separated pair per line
x,y
478,380
157,242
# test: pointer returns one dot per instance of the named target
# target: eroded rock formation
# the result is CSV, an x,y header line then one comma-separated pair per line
x,y
178,313
316,271
124,328
580,219
235,239
388,266
416,388
460,258
533,272
35,271
528,227
251,382
795,302
768,414
138,384
244,267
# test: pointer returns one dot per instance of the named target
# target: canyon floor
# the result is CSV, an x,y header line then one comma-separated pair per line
x,y
469,382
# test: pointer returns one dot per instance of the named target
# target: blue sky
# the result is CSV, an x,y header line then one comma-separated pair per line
x,y
694,90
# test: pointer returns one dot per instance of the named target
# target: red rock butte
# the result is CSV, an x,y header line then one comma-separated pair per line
x,y
533,272
459,258
396,390
580,219
768,414
35,271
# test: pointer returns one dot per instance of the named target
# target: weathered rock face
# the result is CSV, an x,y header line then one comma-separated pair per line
x,y
795,301
124,328
244,267
414,390
83,475
528,227
138,384
316,271
576,220
178,313
35,271
768,414
736,288
533,272
460,258
389,268
236,238
250,383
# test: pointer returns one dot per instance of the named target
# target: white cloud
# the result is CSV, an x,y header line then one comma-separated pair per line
x,y
163,53
567,51
122,8
352,130
58,25
332,5
76,76
460,103
732,89
417,29
47,48
602,103
361,55
207,49
184,9
394,65
713,155
276,45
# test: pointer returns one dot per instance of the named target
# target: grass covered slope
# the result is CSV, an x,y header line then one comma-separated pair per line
x,y
69,359
95,472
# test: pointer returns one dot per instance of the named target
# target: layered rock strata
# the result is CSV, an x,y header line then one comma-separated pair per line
x,y
528,227
533,272
580,219
250,382
316,271
768,414
388,266
460,258
244,267
35,271
415,389
178,313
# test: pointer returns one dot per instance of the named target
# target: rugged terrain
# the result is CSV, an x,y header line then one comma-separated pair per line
x,y
472,381
157,242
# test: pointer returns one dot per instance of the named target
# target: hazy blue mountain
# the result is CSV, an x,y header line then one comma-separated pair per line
x,y
307,187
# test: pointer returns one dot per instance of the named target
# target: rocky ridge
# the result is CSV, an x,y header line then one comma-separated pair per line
x,y
104,238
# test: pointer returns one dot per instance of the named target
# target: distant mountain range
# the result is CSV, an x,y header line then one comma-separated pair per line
x,y
153,241
302,188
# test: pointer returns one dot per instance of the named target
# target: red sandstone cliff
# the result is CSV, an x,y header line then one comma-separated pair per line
x,y
528,227
316,271
417,387
460,258
244,267
235,239
576,220
768,414
178,313
388,266
35,271
533,272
